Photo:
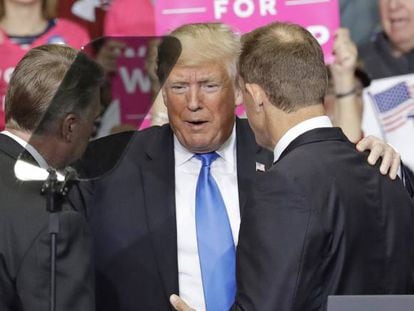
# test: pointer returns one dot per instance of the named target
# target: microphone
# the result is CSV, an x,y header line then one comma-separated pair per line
x,y
71,176
26,171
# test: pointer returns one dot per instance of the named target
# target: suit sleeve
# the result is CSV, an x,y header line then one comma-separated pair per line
x,y
271,244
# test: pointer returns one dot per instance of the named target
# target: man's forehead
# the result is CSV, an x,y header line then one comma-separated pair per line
x,y
202,72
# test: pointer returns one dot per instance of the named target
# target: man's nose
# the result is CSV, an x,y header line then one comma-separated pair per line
x,y
393,4
193,99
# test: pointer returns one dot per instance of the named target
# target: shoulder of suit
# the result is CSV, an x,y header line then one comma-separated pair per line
x,y
115,141
10,147
105,152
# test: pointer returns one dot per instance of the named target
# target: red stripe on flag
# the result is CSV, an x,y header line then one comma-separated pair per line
x,y
398,111
395,120
393,128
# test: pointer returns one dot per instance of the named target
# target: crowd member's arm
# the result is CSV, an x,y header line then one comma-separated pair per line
x,y
348,105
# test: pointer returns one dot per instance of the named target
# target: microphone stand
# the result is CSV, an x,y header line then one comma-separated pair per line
x,y
55,193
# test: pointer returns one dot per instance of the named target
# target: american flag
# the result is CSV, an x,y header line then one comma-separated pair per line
x,y
260,167
395,106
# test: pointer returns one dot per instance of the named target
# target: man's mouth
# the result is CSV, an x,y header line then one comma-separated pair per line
x,y
196,123
398,22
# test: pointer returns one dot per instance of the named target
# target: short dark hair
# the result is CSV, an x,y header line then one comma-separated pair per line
x,y
49,82
287,62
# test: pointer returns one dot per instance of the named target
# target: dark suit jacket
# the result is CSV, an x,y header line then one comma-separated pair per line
x,y
132,215
24,246
322,221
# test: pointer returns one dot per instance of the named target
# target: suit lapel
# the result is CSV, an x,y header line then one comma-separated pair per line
x,y
313,136
158,177
10,147
248,152
15,151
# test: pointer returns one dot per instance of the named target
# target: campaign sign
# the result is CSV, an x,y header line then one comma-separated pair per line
x,y
320,17
130,89
131,85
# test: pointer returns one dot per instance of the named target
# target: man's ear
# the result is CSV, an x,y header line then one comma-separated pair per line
x,y
257,93
69,126
238,96
164,96
238,91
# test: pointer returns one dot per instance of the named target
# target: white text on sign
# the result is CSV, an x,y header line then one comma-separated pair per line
x,y
245,8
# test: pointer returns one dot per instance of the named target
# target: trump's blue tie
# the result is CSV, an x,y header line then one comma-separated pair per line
x,y
216,248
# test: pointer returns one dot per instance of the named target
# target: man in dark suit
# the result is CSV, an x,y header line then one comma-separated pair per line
x,y
321,221
143,212
66,84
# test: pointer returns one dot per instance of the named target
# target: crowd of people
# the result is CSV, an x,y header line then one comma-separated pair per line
x,y
208,211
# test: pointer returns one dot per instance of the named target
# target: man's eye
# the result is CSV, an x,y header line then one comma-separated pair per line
x,y
178,88
211,87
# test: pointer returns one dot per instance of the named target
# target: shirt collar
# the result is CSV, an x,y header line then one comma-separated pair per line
x,y
297,130
227,150
33,152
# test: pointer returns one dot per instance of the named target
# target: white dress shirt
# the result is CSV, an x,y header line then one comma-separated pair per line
x,y
298,130
33,152
187,169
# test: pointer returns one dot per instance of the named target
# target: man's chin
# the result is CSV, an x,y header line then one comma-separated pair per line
x,y
201,147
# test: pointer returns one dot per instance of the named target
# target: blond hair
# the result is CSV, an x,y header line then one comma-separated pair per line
x,y
48,82
208,42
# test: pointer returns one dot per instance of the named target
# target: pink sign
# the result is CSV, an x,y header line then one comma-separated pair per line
x,y
131,85
320,17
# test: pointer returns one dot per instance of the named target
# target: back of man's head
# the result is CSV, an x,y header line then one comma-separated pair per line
x,y
50,81
287,62
33,84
